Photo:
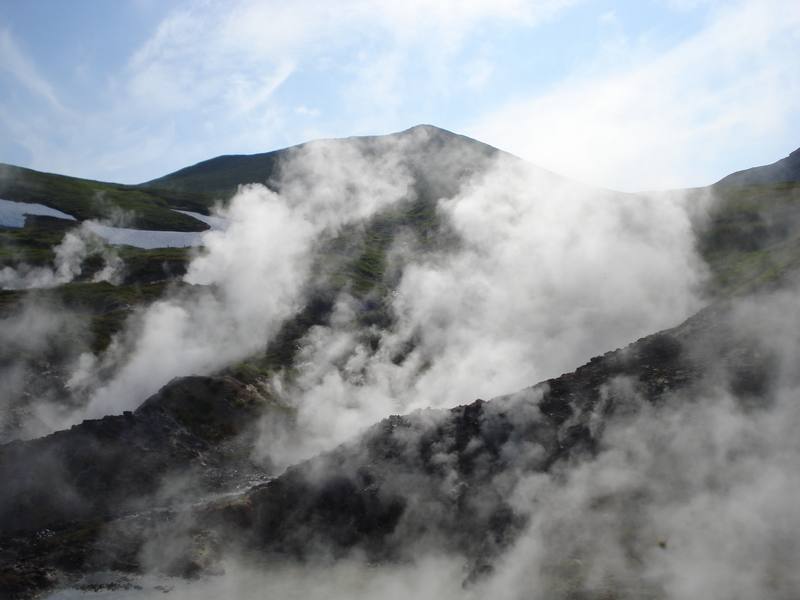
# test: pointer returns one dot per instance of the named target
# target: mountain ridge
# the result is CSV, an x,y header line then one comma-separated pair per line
x,y
260,167
784,170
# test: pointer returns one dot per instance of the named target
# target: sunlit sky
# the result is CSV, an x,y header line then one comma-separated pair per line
x,y
629,95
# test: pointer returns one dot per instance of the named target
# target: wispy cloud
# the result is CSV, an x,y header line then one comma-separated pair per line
x,y
219,77
14,61
212,77
732,84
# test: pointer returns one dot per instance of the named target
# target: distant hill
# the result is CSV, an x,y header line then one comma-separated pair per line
x,y
785,170
137,207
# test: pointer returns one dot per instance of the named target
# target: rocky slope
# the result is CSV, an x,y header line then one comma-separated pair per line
x,y
432,479
195,428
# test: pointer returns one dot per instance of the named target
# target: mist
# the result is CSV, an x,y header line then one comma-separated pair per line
x,y
532,276
77,245
542,275
37,335
250,276
546,275
410,365
691,496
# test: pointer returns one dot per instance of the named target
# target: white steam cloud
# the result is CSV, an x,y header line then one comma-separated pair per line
x,y
693,497
544,275
255,270
35,334
76,246
548,274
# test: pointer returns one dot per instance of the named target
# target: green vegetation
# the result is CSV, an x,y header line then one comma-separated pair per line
x,y
157,264
34,243
220,175
752,238
359,252
108,305
105,305
355,261
137,207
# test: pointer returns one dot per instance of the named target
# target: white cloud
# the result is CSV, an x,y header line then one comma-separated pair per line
x,y
209,80
663,121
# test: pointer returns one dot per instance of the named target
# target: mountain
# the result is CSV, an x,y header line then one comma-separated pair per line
x,y
221,175
786,170
596,483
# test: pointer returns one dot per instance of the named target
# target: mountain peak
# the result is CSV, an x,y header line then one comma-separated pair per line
x,y
427,127
223,174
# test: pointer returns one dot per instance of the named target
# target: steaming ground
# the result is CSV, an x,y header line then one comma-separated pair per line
x,y
692,497
33,400
548,274
76,246
545,274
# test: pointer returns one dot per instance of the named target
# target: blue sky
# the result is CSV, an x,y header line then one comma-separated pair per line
x,y
630,95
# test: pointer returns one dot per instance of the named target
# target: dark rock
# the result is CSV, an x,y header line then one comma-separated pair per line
x,y
110,466
432,479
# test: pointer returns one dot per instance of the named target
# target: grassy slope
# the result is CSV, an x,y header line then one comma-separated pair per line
x,y
32,244
785,170
752,238
145,276
139,207
221,175
146,272
106,305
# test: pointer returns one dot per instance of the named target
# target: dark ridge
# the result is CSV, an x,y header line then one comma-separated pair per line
x,y
786,170
222,174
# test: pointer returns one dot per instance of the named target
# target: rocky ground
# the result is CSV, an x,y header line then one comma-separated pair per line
x,y
94,498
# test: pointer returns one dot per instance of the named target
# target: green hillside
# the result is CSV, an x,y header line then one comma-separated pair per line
x,y
132,206
222,174
752,236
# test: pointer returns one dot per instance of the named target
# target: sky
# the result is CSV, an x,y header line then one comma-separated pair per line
x,y
645,94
